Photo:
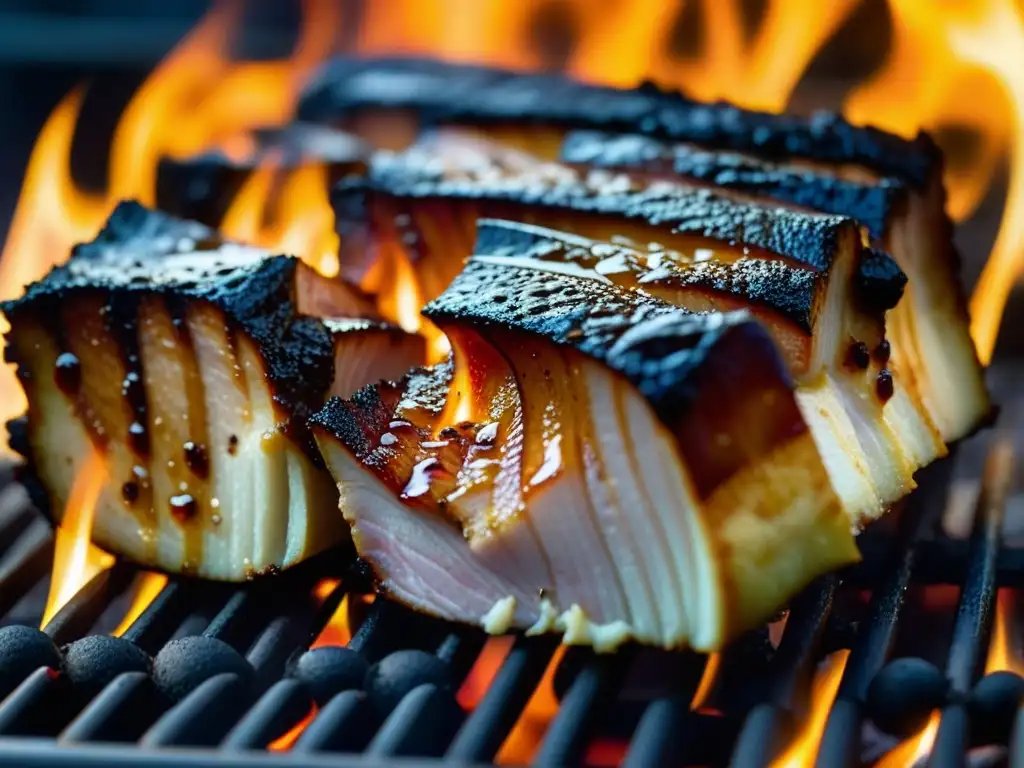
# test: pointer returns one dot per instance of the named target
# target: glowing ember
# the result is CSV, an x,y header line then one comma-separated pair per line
x,y
804,747
147,587
914,748
75,559
1004,650
285,741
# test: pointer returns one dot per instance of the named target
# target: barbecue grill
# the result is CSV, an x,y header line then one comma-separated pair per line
x,y
242,685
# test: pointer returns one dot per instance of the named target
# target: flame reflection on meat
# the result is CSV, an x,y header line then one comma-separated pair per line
x,y
804,747
75,559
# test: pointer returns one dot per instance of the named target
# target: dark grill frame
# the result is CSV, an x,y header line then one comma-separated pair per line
x,y
271,620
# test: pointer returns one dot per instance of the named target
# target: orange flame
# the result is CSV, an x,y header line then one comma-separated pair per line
x,y
958,64
147,586
337,630
482,674
1004,648
521,743
707,681
75,559
804,747
909,752
285,741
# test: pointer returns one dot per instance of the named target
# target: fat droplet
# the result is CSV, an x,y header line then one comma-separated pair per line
x,y
184,507
419,483
388,439
552,461
487,434
196,459
67,373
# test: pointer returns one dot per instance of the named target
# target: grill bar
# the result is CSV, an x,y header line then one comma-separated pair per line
x,y
973,626
758,693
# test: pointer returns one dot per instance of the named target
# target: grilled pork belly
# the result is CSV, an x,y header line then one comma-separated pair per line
x,y
592,462
191,365
892,185
808,276
928,329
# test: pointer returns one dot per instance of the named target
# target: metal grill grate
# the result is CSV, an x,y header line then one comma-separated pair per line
x,y
637,699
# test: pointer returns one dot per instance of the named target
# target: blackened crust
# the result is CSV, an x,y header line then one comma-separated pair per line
x,y
142,252
789,291
449,93
658,348
868,203
808,238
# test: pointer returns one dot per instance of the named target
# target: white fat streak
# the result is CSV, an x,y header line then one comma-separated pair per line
x,y
268,531
675,508
167,399
230,476
619,505
839,447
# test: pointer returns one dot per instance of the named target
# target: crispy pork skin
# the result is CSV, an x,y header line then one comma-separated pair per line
x,y
191,365
891,184
928,329
808,276
592,462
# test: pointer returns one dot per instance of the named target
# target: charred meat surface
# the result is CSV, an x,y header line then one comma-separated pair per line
x,y
808,276
406,95
929,327
190,365
871,441
592,462
890,184
421,206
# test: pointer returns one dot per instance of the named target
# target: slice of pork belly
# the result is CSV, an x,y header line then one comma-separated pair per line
x,y
929,329
593,462
420,209
390,101
190,365
872,432
420,206
893,185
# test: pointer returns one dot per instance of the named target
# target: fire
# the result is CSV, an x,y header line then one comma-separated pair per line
x,y
337,630
914,748
285,741
147,586
804,746
1004,650
521,743
483,671
707,681
288,212
958,64
75,559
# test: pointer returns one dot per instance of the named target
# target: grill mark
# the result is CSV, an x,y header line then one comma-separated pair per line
x,y
122,314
